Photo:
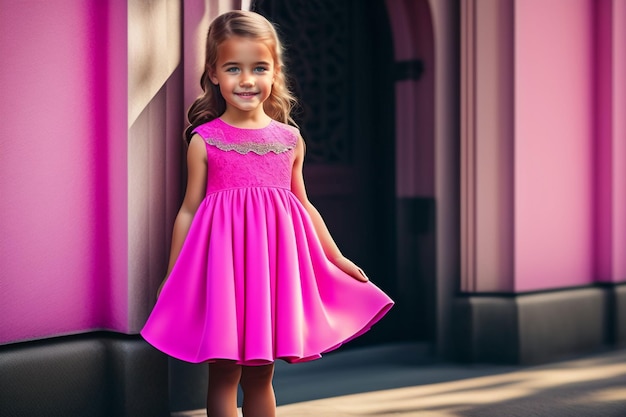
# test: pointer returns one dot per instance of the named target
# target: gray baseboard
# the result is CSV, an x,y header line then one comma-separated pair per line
x,y
188,385
92,375
538,327
617,313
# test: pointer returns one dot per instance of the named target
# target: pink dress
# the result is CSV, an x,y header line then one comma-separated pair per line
x,y
252,283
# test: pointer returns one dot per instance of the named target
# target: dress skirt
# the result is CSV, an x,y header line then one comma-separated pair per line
x,y
252,284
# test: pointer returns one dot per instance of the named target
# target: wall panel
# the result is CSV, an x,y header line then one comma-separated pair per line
x,y
62,168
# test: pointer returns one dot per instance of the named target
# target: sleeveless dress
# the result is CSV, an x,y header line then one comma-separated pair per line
x,y
251,283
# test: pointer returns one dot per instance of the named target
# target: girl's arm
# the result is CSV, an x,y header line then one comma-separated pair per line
x,y
194,194
328,244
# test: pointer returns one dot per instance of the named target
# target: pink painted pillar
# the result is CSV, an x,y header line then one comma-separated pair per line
x,y
554,119
62,168
543,160
610,161
619,140
487,141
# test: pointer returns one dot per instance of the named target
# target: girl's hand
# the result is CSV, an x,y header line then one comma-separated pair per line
x,y
347,266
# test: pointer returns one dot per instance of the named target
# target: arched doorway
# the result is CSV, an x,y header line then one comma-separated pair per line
x,y
347,74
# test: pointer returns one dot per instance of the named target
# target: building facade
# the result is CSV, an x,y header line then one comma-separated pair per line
x,y
470,155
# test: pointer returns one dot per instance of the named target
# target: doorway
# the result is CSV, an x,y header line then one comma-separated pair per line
x,y
340,56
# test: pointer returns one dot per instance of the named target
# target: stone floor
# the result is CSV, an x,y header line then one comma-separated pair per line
x,y
400,381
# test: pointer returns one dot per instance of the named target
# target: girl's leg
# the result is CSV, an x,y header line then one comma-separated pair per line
x,y
221,399
258,392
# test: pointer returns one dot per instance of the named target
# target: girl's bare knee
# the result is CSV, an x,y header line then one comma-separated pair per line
x,y
227,372
253,377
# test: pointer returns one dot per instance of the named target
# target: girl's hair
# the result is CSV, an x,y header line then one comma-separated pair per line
x,y
210,105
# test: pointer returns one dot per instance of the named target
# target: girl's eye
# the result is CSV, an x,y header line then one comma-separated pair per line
x,y
260,69
232,69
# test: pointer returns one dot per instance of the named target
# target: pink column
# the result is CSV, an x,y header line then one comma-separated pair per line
x,y
62,168
487,141
543,171
619,139
554,119
610,162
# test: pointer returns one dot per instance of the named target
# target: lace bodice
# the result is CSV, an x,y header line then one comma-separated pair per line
x,y
248,157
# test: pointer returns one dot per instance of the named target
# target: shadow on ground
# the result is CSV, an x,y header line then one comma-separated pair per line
x,y
393,381
406,381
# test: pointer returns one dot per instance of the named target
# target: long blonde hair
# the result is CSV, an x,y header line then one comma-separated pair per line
x,y
210,105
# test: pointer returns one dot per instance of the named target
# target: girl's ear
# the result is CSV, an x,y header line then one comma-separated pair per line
x,y
276,72
213,77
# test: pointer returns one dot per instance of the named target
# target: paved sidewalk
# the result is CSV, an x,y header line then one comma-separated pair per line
x,y
400,381
590,387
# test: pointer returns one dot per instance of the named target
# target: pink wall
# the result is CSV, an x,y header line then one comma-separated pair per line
x,y
62,168
554,112
618,17
543,167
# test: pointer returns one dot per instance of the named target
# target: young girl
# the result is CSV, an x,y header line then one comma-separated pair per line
x,y
254,274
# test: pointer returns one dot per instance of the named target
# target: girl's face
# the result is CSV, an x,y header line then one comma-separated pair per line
x,y
244,72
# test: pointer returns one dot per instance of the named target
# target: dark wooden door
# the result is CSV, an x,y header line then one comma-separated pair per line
x,y
339,54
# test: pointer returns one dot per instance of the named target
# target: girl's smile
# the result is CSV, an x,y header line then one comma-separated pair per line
x,y
244,72
247,94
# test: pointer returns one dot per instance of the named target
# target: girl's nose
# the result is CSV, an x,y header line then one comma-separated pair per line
x,y
246,81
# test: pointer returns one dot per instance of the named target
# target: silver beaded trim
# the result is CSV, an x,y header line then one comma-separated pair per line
x,y
246,147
